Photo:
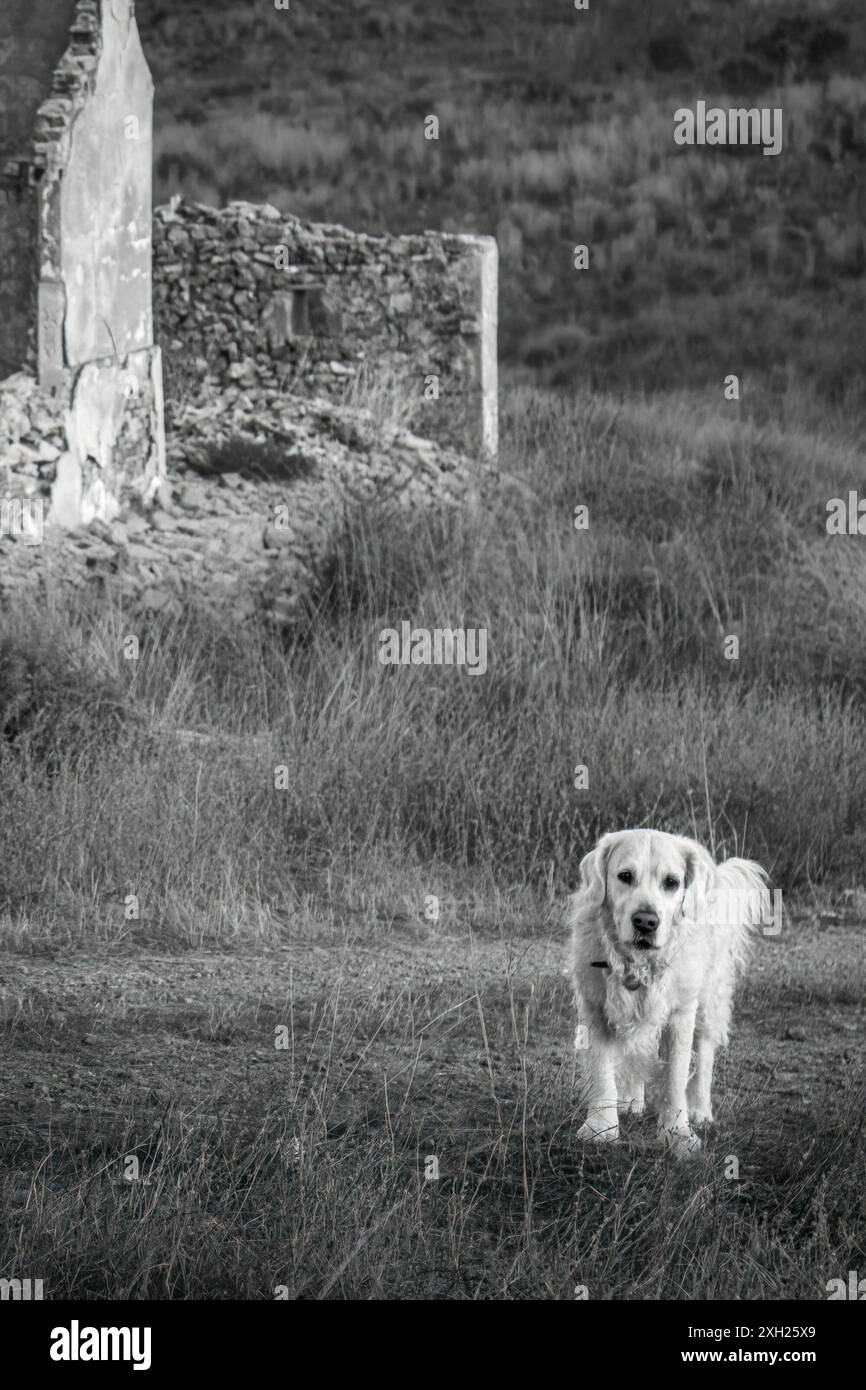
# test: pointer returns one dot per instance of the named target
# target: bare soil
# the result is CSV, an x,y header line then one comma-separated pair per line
x,y
426,1017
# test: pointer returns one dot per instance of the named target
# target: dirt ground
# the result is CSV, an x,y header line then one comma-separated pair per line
x,y
87,1032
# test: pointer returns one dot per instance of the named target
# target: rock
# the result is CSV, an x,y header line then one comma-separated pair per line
x,y
400,304
156,599
163,493
144,554
66,493
164,521
46,452
103,530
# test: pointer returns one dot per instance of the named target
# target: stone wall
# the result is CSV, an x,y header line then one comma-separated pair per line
x,y
32,41
273,304
75,213
84,447
273,318
32,439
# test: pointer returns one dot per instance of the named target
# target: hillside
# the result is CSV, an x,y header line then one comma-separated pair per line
x,y
556,128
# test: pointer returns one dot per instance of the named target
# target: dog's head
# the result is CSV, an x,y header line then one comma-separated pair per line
x,y
645,884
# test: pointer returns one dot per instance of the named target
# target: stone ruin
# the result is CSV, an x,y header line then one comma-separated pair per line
x,y
267,303
81,421
271,319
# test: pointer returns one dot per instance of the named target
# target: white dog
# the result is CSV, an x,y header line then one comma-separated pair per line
x,y
659,932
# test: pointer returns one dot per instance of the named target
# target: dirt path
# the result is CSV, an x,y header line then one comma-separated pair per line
x,y
95,1030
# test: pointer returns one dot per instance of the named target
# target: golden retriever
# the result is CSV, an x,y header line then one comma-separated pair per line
x,y
659,933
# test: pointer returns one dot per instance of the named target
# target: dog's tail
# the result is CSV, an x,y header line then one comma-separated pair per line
x,y
740,902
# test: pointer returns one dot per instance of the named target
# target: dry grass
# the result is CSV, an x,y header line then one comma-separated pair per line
x,y
606,648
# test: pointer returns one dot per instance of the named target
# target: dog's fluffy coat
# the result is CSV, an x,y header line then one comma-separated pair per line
x,y
659,933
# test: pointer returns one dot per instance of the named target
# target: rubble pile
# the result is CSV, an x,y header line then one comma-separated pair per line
x,y
245,540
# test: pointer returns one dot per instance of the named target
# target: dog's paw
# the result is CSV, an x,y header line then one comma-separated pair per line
x,y
699,1104
598,1132
701,1115
679,1142
633,1105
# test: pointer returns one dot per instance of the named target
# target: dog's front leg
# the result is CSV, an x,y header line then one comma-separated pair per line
x,y
674,1126
698,1094
632,1093
601,1121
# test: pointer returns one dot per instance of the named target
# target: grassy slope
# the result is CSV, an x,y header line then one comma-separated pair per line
x,y
556,128
606,648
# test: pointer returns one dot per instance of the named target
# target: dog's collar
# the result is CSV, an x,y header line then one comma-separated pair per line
x,y
628,978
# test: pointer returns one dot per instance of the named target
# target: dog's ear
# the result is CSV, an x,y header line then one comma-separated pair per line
x,y
700,873
593,872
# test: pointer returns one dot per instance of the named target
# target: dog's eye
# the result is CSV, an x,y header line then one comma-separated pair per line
x,y
626,876
671,883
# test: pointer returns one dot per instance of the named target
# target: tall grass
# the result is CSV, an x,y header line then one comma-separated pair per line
x,y
606,649
139,817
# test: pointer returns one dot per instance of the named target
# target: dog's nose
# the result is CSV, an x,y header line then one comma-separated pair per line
x,y
645,921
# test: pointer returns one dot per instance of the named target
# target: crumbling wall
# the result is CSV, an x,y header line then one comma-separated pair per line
x,y
32,439
105,203
274,303
32,40
271,304
75,205
258,541
78,448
